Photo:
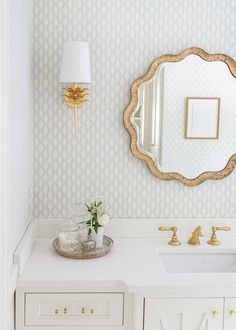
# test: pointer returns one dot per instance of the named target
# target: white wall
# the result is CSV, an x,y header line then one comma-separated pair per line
x,y
20,118
3,164
125,36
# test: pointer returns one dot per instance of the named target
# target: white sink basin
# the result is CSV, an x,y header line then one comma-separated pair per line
x,y
199,262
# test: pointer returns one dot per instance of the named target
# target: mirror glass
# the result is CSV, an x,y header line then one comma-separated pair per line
x,y
185,117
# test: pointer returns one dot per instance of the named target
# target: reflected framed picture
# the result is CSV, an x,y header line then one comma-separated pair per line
x,y
202,118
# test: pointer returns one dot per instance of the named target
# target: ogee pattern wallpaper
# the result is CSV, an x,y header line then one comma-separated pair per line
x,y
209,79
125,36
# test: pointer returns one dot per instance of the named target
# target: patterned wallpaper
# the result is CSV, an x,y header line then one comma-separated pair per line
x,y
125,36
192,157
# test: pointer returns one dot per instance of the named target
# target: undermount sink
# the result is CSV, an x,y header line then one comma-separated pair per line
x,y
199,262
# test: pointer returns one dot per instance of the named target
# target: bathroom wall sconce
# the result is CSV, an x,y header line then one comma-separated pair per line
x,y
75,69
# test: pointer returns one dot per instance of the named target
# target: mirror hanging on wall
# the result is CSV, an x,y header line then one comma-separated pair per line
x,y
182,116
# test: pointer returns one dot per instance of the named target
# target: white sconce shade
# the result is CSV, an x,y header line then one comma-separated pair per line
x,y
75,67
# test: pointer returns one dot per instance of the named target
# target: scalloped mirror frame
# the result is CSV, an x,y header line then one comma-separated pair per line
x,y
133,104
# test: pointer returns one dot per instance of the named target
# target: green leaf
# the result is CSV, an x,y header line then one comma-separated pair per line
x,y
88,222
96,226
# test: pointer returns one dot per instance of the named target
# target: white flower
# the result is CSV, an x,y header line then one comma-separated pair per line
x,y
99,208
104,219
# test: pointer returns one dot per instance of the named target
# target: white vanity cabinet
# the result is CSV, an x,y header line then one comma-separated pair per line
x,y
184,314
45,310
230,314
124,291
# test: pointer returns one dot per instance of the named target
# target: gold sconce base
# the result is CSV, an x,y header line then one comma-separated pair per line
x,y
75,97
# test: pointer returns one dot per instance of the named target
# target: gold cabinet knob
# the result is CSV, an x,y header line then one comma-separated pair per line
x,y
83,310
56,311
232,313
65,311
91,310
216,313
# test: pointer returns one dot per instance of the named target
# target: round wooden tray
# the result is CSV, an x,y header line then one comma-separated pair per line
x,y
107,244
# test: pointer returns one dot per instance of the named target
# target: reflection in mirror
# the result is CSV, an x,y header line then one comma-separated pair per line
x,y
185,116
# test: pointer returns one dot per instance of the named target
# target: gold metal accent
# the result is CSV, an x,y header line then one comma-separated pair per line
x,y
133,104
56,311
232,313
83,310
91,310
174,240
216,313
75,97
65,311
194,239
213,240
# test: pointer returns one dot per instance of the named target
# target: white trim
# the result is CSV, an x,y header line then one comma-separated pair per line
x,y
4,297
25,247
12,278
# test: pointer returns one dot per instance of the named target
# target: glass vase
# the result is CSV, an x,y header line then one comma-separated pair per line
x,y
98,237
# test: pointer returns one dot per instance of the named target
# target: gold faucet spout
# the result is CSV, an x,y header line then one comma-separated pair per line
x,y
194,239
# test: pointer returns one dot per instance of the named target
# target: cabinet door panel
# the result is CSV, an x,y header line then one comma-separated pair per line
x,y
230,314
183,314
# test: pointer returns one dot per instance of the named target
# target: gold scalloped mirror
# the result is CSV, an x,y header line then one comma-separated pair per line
x,y
182,117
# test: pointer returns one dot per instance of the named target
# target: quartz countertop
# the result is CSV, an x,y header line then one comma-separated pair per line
x,y
133,265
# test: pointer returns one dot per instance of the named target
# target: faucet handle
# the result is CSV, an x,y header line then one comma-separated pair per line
x,y
174,240
225,228
213,240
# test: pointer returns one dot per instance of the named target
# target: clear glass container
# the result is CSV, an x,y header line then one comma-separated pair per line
x,y
83,232
88,246
68,236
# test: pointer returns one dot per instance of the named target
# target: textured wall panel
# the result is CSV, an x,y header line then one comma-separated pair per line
x,y
20,117
124,36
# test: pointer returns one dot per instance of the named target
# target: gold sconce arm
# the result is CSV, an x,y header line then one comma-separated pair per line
x,y
174,240
213,240
75,97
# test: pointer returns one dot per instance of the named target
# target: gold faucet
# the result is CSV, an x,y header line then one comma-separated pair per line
x,y
213,240
194,239
174,240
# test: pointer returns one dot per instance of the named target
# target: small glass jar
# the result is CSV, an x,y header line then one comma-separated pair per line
x,y
83,233
68,236
88,246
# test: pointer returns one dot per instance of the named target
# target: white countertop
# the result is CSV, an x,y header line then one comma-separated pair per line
x,y
133,265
